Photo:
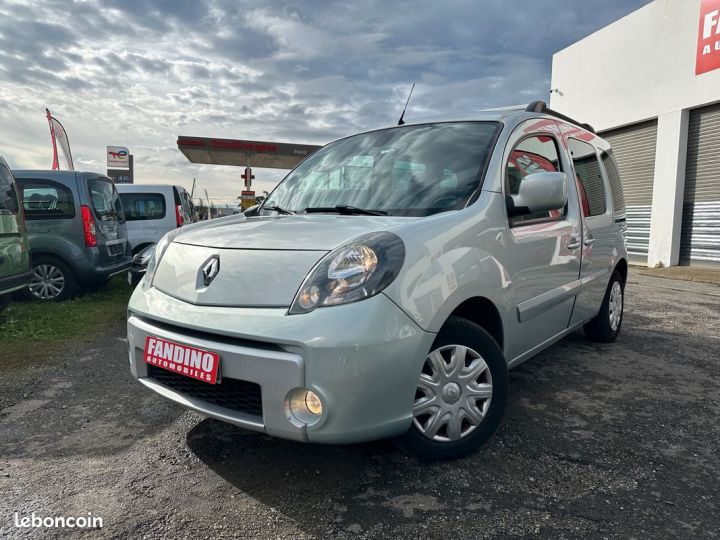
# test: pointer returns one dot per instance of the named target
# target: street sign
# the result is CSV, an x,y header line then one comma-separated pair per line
x,y
118,157
247,199
248,176
121,176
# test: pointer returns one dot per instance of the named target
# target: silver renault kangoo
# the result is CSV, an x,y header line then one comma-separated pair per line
x,y
389,282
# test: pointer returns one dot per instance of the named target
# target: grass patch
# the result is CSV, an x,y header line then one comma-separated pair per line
x,y
39,328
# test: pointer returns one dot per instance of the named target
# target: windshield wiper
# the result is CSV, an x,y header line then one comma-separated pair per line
x,y
278,209
345,210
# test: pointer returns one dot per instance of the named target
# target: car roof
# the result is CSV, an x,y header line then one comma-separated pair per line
x,y
509,116
502,114
145,187
49,173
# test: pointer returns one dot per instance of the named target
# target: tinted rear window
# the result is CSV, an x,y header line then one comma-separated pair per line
x,y
105,199
45,199
615,183
587,171
143,206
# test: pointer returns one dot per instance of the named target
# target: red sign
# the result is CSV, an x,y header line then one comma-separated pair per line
x,y
248,146
189,361
708,45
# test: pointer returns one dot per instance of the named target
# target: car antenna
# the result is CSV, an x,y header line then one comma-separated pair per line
x,y
401,121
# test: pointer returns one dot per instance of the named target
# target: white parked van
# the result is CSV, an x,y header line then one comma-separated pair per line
x,y
151,210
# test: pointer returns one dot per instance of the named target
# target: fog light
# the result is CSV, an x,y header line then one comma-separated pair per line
x,y
313,403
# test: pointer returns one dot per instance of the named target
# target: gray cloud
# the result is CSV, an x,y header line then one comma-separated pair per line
x,y
141,72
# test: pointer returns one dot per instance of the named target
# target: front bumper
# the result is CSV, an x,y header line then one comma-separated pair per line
x,y
362,359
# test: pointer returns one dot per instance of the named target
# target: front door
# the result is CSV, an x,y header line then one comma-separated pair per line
x,y
543,249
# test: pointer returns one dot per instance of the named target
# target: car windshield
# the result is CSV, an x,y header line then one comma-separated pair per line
x,y
403,171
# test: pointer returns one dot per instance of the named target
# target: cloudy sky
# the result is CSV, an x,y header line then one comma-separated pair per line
x,y
139,73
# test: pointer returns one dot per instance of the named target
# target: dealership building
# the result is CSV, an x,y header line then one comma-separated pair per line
x,y
650,84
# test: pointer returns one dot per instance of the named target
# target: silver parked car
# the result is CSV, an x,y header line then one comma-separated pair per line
x,y
389,282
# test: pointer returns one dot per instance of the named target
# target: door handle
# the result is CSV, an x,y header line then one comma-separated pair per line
x,y
573,243
589,241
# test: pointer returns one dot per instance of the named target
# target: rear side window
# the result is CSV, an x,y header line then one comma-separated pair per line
x,y
105,199
615,183
589,177
533,154
8,195
143,206
45,199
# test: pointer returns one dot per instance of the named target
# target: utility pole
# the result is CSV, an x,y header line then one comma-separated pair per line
x,y
207,198
192,191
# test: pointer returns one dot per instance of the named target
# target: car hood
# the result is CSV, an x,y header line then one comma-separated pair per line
x,y
261,261
314,232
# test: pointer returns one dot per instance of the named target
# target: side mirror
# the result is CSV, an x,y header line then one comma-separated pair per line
x,y
539,192
252,211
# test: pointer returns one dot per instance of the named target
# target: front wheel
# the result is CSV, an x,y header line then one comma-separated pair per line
x,y
605,327
461,394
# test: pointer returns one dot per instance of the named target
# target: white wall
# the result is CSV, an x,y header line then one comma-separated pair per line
x,y
635,69
638,68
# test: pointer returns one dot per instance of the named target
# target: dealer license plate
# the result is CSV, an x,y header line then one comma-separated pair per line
x,y
181,359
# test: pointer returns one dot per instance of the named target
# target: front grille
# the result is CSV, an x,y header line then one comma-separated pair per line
x,y
233,394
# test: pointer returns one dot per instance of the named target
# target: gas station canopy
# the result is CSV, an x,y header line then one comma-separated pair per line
x,y
272,155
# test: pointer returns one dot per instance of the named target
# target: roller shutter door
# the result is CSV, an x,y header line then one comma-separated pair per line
x,y
634,150
700,240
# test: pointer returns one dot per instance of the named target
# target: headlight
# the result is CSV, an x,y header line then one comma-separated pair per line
x,y
354,271
142,258
155,257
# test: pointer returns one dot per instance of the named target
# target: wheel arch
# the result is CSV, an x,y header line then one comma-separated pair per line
x,y
483,312
622,268
44,253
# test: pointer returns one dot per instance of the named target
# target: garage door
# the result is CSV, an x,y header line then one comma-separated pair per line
x,y
634,150
700,241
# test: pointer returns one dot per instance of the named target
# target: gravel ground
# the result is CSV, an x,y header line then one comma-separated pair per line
x,y
613,440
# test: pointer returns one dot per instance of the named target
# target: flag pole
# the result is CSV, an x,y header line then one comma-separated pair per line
x,y
55,163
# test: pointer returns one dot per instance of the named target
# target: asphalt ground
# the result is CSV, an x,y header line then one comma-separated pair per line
x,y
618,440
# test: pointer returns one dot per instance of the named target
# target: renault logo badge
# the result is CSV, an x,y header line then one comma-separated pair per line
x,y
210,269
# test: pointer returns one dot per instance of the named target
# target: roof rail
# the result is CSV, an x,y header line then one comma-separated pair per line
x,y
541,107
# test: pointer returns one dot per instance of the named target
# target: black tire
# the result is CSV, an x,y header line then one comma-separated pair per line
x,y
69,287
601,328
459,331
4,301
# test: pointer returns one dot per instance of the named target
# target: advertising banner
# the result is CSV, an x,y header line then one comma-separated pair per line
x,y
59,137
708,44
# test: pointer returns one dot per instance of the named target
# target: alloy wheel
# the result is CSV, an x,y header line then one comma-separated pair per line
x,y
453,394
47,282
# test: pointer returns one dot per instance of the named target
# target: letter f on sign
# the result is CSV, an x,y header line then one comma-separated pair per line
x,y
711,19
